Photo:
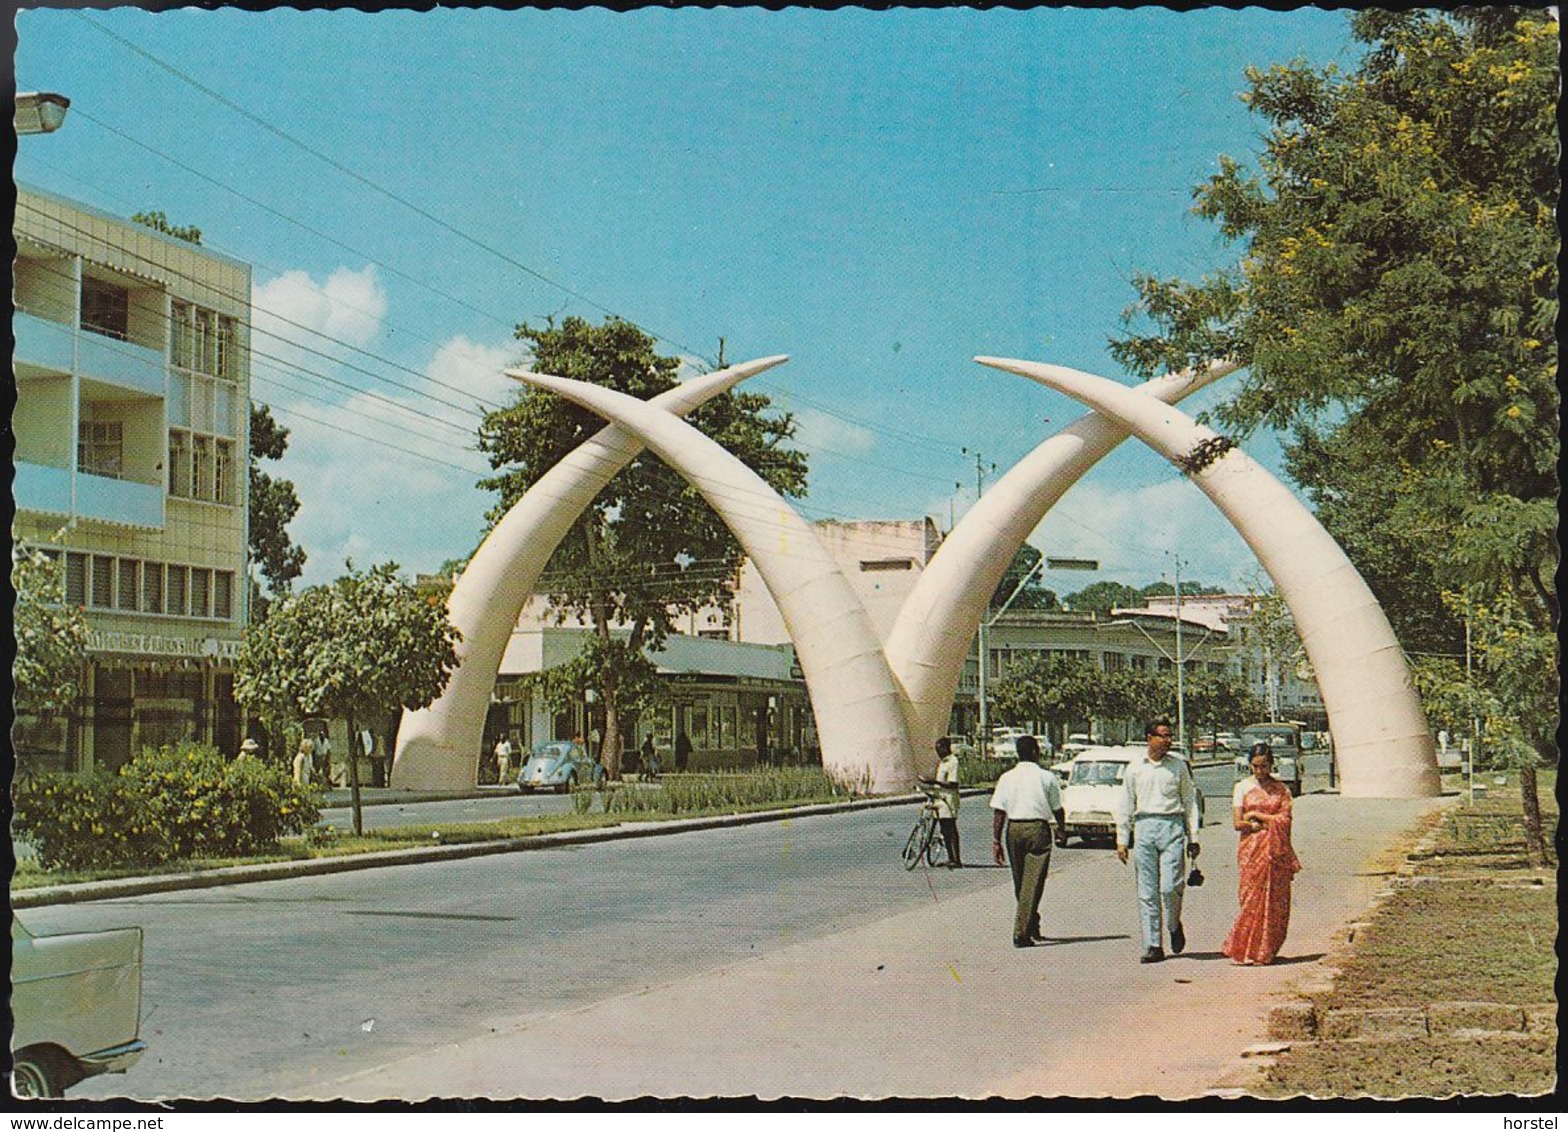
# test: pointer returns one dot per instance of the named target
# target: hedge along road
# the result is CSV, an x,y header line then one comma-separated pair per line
x,y
317,986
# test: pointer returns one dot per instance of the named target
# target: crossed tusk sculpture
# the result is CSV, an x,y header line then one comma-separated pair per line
x,y
880,705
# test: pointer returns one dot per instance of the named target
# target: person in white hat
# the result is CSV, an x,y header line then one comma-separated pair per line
x,y
249,748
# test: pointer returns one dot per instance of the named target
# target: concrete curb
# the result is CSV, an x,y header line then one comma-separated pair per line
x,y
321,866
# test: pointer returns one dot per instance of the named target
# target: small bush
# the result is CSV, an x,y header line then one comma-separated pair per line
x,y
726,791
167,803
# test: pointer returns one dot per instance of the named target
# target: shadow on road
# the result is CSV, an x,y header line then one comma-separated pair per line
x,y
1060,939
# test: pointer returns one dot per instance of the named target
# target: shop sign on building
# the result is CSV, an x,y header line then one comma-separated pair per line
x,y
152,644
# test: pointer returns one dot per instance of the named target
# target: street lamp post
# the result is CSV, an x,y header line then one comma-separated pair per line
x,y
40,112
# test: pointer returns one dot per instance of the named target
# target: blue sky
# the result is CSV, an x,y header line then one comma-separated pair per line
x,y
880,195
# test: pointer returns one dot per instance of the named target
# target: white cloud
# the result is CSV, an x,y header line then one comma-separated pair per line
x,y
476,369
818,432
1135,533
293,314
382,477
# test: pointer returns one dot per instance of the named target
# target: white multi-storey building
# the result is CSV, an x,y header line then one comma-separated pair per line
x,y
132,441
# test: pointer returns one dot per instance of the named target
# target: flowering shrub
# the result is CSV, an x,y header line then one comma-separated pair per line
x,y
168,803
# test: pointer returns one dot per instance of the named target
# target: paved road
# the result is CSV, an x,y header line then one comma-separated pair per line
x,y
796,957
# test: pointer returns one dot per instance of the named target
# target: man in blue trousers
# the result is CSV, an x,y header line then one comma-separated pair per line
x,y
1158,816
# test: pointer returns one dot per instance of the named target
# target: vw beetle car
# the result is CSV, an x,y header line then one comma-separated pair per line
x,y
76,1007
559,765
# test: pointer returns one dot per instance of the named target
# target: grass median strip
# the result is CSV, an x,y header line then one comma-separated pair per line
x,y
1469,934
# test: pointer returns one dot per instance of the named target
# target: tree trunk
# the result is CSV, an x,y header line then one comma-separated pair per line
x,y
1534,838
354,750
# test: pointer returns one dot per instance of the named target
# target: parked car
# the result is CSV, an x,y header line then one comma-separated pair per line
x,y
962,747
1004,742
1093,791
1284,740
1076,743
559,765
76,1007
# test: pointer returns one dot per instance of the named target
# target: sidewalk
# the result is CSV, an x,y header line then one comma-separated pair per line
x,y
937,1003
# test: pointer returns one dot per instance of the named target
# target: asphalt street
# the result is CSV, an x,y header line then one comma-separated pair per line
x,y
519,975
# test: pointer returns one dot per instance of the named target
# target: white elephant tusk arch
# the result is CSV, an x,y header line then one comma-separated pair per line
x,y
930,640
438,746
1381,739
858,705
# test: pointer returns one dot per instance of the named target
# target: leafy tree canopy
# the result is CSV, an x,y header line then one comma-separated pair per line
x,y
1394,304
1033,595
50,636
158,222
273,505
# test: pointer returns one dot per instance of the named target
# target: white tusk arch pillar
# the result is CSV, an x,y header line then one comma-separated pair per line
x,y
438,746
858,705
929,642
1381,740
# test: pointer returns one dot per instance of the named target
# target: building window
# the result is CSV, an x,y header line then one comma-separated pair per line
x,y
152,587
201,467
106,308
179,462
128,586
223,594
103,582
201,592
178,576
223,474
75,579
100,448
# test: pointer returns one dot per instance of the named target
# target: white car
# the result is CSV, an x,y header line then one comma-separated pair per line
x,y
1094,788
76,1007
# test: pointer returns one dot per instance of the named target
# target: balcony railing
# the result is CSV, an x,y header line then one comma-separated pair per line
x,y
44,344
122,502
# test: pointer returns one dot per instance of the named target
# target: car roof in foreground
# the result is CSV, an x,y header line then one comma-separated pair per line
x,y
1121,754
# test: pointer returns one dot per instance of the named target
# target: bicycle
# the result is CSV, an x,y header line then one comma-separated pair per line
x,y
925,840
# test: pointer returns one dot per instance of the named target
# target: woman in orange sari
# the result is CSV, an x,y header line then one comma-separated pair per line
x,y
1260,807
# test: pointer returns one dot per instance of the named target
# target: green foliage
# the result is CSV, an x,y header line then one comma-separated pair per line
x,y
1394,305
635,676
1058,691
273,505
167,803
158,222
50,636
1033,595
361,647
1102,597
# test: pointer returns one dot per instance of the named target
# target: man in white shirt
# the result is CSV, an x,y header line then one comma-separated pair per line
x,y
1025,800
1158,814
947,776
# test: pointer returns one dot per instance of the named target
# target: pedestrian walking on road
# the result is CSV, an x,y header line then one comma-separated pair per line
x,y
503,759
947,798
1265,862
1158,817
302,761
1025,801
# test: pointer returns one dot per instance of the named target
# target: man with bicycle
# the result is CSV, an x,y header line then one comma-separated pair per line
x,y
1026,798
945,798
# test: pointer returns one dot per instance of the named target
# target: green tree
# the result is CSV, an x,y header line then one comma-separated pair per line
x,y
360,648
648,549
1394,305
1216,700
1102,597
158,222
1032,595
273,505
50,636
1055,691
